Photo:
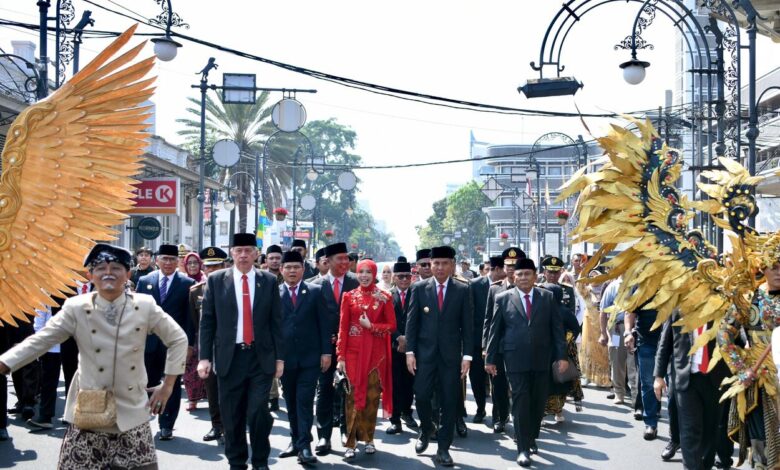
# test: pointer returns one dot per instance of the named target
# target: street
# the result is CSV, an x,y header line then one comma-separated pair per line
x,y
602,436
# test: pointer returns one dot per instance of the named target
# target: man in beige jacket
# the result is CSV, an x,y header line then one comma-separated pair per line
x,y
110,327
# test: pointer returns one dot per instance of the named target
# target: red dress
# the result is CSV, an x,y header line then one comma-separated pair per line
x,y
364,350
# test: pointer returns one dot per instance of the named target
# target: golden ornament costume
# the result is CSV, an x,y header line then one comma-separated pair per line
x,y
631,199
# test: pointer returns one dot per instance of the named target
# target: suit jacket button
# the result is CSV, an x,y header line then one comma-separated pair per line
x,y
137,308
135,349
94,331
138,329
100,370
132,367
97,351
130,388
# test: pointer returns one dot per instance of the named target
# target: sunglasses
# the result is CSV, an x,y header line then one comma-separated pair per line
x,y
424,265
403,276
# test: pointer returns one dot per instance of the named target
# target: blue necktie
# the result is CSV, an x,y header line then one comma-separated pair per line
x,y
164,290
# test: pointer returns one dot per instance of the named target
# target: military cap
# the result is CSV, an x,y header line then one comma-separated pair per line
x,y
496,262
184,249
423,254
552,263
513,253
212,255
335,249
292,257
443,252
244,239
168,250
273,249
105,253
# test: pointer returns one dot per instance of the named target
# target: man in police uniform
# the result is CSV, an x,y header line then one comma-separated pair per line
x,y
552,266
499,383
213,260
309,271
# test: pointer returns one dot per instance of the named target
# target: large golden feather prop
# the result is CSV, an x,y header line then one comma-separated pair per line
x,y
68,168
631,200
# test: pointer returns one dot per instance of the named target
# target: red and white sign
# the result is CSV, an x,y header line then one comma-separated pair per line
x,y
155,196
302,234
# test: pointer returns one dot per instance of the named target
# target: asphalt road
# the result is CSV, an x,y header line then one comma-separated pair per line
x,y
602,436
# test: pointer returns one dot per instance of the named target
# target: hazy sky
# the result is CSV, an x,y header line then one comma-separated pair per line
x,y
477,51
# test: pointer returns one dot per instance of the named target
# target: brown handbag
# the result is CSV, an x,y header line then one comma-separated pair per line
x,y
96,409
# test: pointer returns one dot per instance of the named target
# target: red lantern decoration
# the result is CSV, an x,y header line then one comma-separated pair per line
x,y
562,216
328,233
504,235
280,213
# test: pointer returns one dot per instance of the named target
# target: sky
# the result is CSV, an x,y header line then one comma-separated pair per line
x,y
476,51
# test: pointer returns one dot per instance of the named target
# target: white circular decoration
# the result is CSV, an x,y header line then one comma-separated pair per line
x,y
226,153
308,202
288,115
347,181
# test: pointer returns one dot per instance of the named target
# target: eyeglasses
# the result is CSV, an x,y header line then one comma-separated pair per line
x,y
193,263
424,265
403,276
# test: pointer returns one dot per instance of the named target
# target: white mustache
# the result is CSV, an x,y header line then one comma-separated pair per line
x,y
108,278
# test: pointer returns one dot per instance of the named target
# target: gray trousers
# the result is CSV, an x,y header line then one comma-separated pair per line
x,y
621,363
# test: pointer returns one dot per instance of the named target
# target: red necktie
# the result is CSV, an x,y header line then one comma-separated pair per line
x,y
528,306
441,297
293,296
403,299
85,288
705,355
336,290
249,335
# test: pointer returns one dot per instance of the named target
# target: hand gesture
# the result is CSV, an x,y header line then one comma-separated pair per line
x,y
159,398
364,321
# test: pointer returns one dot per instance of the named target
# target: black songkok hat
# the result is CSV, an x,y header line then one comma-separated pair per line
x,y
168,250
402,259
402,267
513,253
335,249
319,254
273,249
552,263
298,242
244,239
105,253
496,262
423,254
212,255
292,257
525,263
443,252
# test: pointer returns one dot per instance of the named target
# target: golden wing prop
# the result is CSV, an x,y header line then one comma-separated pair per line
x,y
67,175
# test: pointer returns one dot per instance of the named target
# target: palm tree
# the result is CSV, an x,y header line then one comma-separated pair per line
x,y
249,126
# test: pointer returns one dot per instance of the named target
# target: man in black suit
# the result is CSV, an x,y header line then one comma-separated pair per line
x,y
477,376
334,284
498,381
403,381
171,291
241,331
309,271
696,393
439,338
307,352
527,327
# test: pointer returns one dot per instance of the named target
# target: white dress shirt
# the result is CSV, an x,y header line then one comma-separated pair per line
x,y
239,287
170,280
698,356
40,321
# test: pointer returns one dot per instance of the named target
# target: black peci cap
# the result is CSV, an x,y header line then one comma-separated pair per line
x,y
335,249
244,239
298,242
168,250
273,249
525,263
496,262
423,254
443,252
292,257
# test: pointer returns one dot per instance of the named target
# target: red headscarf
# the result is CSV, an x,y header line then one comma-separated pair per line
x,y
367,263
199,276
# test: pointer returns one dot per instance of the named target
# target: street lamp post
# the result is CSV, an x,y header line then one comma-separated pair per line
x,y
203,87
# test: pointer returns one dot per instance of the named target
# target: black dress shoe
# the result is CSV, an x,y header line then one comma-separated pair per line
x,y
17,408
289,452
611,396
434,435
638,415
408,420
460,427
422,443
273,404
670,450
166,434
261,467
499,427
523,459
394,428
3,434
28,412
305,457
479,417
533,448
323,447
213,435
650,433
443,458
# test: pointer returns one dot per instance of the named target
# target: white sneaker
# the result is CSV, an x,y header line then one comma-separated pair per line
x,y
370,448
584,381
559,418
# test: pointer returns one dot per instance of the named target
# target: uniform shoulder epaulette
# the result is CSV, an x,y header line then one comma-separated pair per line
x,y
460,278
196,285
566,284
497,283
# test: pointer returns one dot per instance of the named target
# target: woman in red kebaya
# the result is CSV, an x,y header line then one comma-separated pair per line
x,y
363,351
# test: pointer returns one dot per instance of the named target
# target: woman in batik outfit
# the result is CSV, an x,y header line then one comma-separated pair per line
x,y
757,427
363,351
594,357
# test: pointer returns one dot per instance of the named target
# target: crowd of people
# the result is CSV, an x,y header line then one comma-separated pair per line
x,y
340,339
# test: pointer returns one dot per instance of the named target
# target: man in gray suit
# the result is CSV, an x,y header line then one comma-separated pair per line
x,y
527,328
241,332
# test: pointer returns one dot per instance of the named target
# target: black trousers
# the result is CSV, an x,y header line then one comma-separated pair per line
x,y
403,387
478,377
5,345
725,446
27,378
155,370
325,394
298,386
243,400
529,395
674,414
499,392
699,420
447,377
69,355
50,379
212,394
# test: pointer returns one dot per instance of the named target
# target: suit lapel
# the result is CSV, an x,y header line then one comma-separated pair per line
x,y
174,281
448,293
514,297
156,286
230,292
430,289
